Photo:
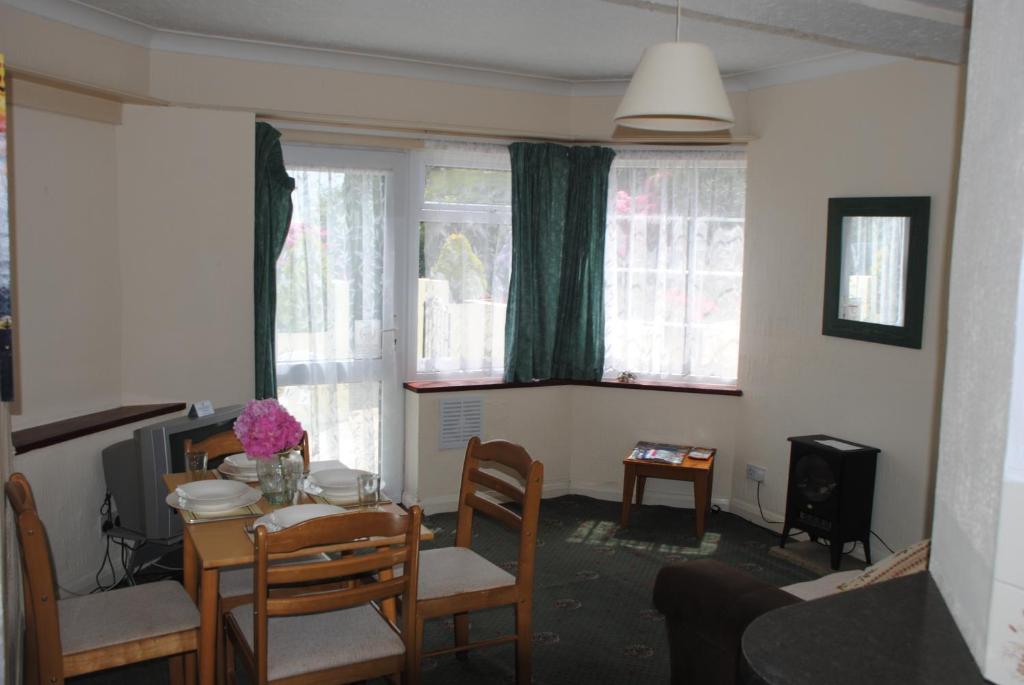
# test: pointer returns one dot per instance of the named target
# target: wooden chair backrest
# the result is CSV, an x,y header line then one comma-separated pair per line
x,y
43,654
226,443
328,530
516,458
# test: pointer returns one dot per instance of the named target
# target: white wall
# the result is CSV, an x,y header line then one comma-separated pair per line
x,y
68,294
537,418
581,434
69,487
977,554
185,212
133,284
886,131
608,422
68,313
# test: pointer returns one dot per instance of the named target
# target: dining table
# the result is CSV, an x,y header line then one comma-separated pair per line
x,y
211,545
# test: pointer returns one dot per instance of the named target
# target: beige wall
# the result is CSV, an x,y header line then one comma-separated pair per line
x,y
306,92
185,203
386,101
133,284
607,422
69,487
68,294
581,434
885,131
537,418
37,45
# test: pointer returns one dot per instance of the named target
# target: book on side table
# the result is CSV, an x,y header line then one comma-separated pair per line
x,y
662,453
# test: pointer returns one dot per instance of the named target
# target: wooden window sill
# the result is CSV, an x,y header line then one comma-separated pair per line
x,y
493,384
28,439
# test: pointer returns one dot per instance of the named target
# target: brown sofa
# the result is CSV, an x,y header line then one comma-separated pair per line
x,y
707,606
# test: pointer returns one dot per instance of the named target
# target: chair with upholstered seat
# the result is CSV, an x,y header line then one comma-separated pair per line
x,y
235,583
70,637
338,634
456,580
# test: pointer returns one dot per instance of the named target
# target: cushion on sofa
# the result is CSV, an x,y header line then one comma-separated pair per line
x,y
913,559
821,587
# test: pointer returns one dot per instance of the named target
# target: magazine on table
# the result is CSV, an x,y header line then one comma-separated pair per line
x,y
659,452
663,453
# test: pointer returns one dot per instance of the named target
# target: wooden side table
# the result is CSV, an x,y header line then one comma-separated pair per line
x,y
700,472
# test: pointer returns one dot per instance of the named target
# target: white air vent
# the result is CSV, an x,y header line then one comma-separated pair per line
x,y
461,419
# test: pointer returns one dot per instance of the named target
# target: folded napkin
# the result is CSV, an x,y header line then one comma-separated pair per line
x,y
290,516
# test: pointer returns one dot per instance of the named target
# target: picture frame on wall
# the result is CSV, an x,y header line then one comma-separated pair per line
x,y
875,265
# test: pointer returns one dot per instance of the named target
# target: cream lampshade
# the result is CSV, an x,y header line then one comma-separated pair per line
x,y
676,87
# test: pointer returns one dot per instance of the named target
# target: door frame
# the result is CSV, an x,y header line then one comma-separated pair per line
x,y
394,309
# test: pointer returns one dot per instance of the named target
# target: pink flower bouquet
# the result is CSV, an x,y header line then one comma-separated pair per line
x,y
265,428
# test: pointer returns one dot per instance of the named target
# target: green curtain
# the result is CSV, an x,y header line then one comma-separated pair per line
x,y
579,339
273,215
554,325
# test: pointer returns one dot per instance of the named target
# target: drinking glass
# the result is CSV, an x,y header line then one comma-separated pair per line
x,y
368,485
195,464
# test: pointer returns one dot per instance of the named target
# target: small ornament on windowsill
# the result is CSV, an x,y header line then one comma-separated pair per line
x,y
627,377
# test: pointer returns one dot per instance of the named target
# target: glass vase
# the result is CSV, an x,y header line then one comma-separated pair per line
x,y
280,476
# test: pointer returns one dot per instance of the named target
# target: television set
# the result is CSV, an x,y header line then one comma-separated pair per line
x,y
134,468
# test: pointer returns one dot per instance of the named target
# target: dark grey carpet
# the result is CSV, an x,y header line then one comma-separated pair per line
x,y
592,612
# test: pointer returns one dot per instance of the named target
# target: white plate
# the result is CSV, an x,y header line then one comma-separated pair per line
x,y
250,496
336,479
211,490
290,516
242,462
234,473
325,465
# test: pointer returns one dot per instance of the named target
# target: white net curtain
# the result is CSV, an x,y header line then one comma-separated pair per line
x,y
329,311
674,264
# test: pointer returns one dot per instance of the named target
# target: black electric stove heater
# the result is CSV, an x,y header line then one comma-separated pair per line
x,y
830,493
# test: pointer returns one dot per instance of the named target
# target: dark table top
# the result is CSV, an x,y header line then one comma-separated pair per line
x,y
897,632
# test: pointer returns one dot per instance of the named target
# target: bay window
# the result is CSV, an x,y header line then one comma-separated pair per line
x,y
674,265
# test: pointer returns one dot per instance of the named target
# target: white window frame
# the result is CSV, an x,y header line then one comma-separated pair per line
x,y
388,368
611,374
419,161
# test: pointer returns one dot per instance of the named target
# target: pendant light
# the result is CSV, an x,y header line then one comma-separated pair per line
x,y
676,87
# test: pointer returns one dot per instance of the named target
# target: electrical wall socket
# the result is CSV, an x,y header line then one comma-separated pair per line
x,y
756,473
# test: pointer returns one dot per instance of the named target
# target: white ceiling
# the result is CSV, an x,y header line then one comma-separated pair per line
x,y
570,40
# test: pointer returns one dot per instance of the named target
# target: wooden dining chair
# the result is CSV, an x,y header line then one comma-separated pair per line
x,y
226,443
341,634
456,580
235,583
70,637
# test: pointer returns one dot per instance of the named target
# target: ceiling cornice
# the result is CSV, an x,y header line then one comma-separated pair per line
x,y
142,35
